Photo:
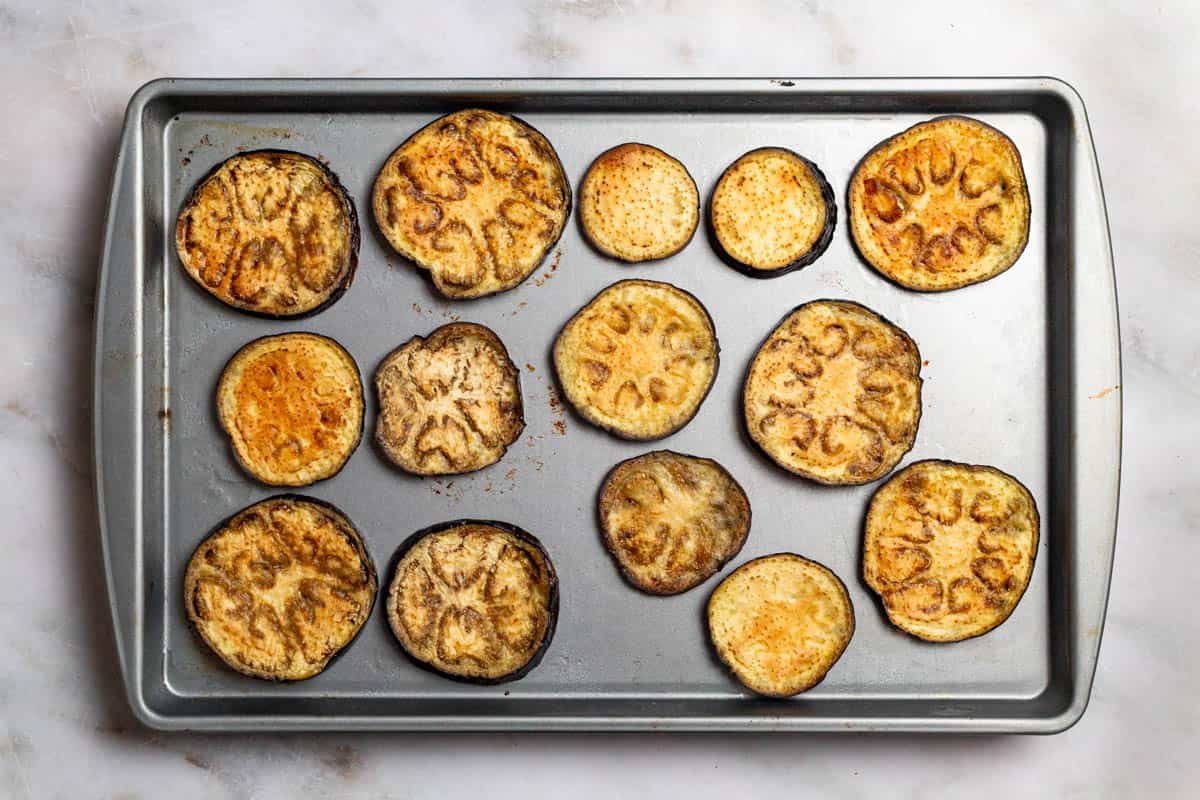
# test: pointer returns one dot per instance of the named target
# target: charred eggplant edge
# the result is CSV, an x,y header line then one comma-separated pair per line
x,y
427,272
362,407
872,510
335,293
849,637
379,405
587,236
819,246
586,414
962,283
603,504
803,474
552,610
355,539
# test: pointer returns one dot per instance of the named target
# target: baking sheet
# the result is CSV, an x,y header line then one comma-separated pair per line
x,y
1012,367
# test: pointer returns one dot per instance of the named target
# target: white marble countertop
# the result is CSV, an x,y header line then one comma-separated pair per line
x,y
66,72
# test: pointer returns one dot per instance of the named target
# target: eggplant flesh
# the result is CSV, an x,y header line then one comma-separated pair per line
x,y
472,600
280,588
270,232
638,359
780,623
950,548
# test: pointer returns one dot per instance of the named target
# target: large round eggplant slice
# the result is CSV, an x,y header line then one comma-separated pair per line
x,y
771,212
476,198
950,548
834,393
637,203
639,359
292,406
280,588
449,402
475,601
780,623
270,232
671,521
942,205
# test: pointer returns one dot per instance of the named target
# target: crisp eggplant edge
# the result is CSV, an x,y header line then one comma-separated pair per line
x,y
335,293
871,510
601,516
729,667
426,272
819,246
961,284
362,408
552,611
356,540
383,362
585,414
587,235
801,473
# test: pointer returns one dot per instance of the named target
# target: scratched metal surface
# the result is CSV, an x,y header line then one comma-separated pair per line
x,y
999,389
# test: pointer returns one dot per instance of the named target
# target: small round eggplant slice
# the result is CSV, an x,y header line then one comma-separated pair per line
x,y
270,232
639,359
671,521
637,203
950,548
280,588
834,393
474,601
448,403
475,198
292,406
942,205
771,212
780,623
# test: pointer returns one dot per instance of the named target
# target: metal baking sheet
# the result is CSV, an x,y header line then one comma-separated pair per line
x,y
1019,375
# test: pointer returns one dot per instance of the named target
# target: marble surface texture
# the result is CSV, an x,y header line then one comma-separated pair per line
x,y
66,72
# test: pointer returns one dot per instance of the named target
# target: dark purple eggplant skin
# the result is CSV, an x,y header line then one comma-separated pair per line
x,y
355,233
362,410
359,545
819,247
524,536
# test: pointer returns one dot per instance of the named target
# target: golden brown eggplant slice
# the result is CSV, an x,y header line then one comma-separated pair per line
x,y
671,521
771,212
474,601
280,588
942,205
637,203
292,406
834,393
449,402
475,198
639,359
780,623
270,232
950,548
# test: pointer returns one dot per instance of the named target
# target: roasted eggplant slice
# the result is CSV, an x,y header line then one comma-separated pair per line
x,y
637,203
671,521
476,198
950,548
834,393
942,205
771,212
475,601
280,588
639,359
292,405
449,402
270,232
780,623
